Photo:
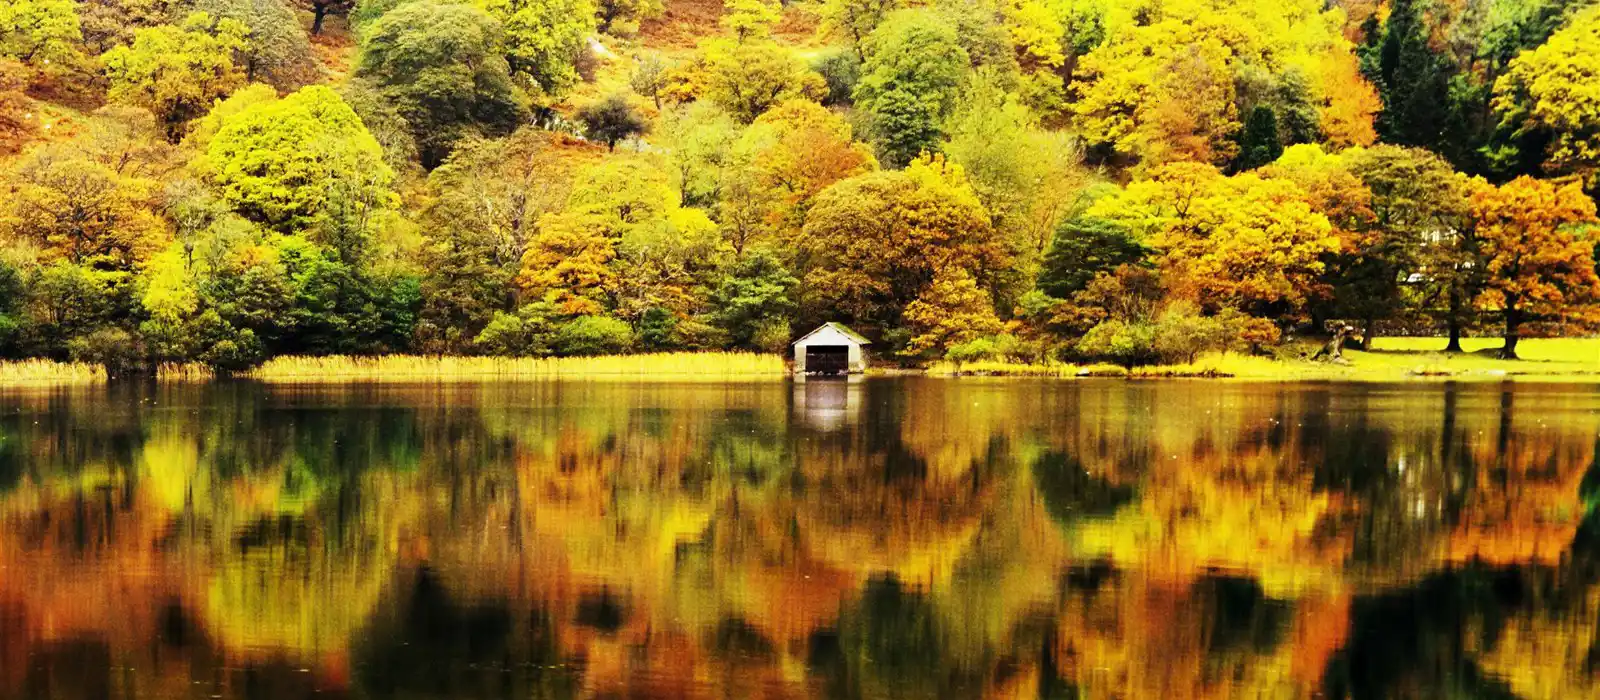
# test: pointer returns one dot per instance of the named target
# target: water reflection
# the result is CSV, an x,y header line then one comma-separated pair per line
x,y
886,538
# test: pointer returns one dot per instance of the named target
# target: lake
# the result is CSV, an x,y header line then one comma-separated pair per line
x,y
885,538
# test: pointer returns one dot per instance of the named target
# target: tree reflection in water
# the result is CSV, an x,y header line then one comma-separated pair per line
x,y
876,539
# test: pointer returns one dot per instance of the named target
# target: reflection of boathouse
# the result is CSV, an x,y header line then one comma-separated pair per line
x,y
830,349
828,404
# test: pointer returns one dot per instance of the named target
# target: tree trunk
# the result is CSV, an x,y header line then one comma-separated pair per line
x,y
1454,321
1513,325
1334,350
1370,329
318,13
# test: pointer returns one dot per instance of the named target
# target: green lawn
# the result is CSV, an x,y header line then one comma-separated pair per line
x,y
1392,359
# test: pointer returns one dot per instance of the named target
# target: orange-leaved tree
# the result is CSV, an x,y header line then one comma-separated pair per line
x,y
1537,266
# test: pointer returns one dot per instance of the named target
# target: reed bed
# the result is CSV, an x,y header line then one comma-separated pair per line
x,y
1001,368
185,372
35,372
684,366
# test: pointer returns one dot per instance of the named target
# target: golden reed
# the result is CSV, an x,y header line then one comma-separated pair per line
x,y
681,366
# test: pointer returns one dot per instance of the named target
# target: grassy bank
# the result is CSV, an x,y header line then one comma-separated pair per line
x,y
685,366
1392,359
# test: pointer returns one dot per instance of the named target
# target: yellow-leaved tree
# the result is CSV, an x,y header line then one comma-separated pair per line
x,y
1551,89
1243,242
873,243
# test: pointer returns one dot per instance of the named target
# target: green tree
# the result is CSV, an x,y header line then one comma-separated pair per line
x,y
757,291
622,17
276,49
301,163
855,20
544,38
1028,177
611,120
1084,248
322,9
1413,80
177,71
442,65
913,71
1418,226
649,77
1260,143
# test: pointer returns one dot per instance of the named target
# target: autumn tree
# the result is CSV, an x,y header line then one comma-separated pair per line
x,y
177,71
750,19
1161,93
873,243
442,66
490,196
747,79
786,158
1244,242
568,262
17,122
82,211
914,67
950,311
1536,267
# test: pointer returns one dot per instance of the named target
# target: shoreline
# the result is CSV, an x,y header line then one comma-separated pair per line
x,y
1573,360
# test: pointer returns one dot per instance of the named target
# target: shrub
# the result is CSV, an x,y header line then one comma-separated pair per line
x,y
113,348
657,329
593,335
971,351
771,335
1127,343
1181,333
526,333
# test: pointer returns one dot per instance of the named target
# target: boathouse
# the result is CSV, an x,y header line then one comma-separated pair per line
x,y
830,349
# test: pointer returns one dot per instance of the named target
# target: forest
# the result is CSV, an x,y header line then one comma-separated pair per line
x,y
1134,181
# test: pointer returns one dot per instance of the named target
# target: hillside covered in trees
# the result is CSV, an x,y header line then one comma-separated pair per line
x,y
223,181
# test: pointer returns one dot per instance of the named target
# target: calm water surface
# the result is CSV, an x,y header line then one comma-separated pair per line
x,y
882,539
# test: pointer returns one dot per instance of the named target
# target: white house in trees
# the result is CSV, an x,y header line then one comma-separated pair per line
x,y
830,349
